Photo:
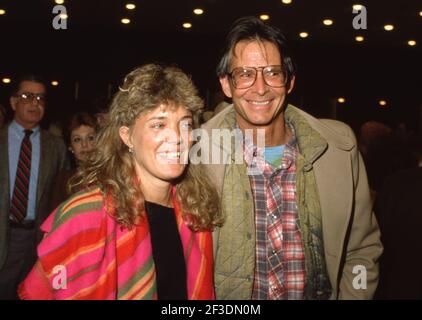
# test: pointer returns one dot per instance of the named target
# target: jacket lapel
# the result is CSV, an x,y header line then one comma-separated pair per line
x,y
45,165
4,165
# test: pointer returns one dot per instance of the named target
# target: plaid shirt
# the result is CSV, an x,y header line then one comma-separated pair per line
x,y
280,259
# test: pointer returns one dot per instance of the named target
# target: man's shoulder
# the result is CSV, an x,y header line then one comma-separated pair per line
x,y
3,134
333,131
49,136
216,121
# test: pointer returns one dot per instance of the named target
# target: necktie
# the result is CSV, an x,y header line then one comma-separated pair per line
x,y
19,203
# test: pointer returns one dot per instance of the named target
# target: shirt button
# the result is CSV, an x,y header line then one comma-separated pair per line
x,y
273,251
274,216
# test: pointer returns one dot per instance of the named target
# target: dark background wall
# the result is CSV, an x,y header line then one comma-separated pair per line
x,y
95,53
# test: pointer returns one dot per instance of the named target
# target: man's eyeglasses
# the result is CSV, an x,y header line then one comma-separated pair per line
x,y
27,97
245,77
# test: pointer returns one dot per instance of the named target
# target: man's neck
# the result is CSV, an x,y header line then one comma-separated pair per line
x,y
26,126
276,133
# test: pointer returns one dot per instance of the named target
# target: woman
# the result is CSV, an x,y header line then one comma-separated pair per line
x,y
80,137
141,227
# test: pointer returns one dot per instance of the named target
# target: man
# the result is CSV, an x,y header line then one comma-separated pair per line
x,y
301,227
29,160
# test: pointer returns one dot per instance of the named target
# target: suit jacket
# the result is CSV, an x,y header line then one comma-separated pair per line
x,y
53,158
350,232
59,192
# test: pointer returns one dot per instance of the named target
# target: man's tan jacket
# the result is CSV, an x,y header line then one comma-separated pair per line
x,y
351,235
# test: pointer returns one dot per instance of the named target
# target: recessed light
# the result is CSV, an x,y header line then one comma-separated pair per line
x,y
286,1
264,17
59,1
389,27
328,22
2,12
411,43
64,16
420,13
125,21
341,100
187,25
130,6
357,7
54,83
359,38
303,34
6,80
382,103
198,11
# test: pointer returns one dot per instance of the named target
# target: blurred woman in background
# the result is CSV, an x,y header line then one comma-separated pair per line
x,y
79,136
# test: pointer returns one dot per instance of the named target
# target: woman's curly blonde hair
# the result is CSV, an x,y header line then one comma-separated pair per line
x,y
111,167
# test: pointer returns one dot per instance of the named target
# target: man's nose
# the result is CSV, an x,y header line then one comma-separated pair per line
x,y
260,86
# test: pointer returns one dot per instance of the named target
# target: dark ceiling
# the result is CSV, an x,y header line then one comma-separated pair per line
x,y
96,49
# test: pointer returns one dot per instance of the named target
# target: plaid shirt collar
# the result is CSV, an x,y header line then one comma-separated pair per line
x,y
255,158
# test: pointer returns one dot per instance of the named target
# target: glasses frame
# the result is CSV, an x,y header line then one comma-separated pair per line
x,y
258,69
39,97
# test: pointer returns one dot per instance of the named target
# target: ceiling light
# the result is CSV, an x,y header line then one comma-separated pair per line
x,y
125,21
359,38
2,12
286,1
389,27
64,16
264,17
198,11
187,25
420,13
303,34
357,7
382,103
59,1
54,83
130,6
6,80
328,22
341,100
411,43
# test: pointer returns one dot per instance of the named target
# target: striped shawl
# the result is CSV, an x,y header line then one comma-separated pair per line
x,y
99,259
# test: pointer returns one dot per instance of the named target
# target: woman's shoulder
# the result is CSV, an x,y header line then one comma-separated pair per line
x,y
85,205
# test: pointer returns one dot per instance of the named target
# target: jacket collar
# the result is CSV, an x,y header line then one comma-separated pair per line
x,y
310,142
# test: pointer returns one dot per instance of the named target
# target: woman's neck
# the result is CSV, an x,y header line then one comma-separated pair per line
x,y
159,193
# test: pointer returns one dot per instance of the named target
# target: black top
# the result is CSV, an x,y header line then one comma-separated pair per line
x,y
167,251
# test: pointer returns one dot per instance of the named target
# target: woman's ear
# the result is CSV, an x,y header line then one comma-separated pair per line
x,y
124,134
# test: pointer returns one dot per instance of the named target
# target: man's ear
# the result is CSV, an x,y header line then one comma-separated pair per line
x,y
291,84
13,101
225,86
124,133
